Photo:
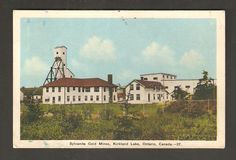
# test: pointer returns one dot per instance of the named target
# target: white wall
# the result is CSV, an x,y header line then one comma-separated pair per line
x,y
159,76
75,93
182,83
21,96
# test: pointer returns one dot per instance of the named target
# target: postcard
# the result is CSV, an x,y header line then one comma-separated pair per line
x,y
119,79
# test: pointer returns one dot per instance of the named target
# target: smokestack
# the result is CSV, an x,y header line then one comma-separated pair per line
x,y
109,79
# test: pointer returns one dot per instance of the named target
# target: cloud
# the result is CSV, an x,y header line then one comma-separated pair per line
x,y
98,49
79,66
156,52
35,67
192,59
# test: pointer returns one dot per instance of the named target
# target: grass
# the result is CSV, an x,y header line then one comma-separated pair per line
x,y
84,121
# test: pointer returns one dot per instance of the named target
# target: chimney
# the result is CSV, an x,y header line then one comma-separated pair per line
x,y
109,79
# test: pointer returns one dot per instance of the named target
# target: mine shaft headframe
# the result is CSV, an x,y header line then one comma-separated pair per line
x,y
56,68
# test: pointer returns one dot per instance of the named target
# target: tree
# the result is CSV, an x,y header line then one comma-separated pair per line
x,y
206,89
179,94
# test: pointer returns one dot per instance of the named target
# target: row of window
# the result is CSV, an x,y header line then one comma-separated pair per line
x,y
138,97
79,89
137,86
68,98
156,78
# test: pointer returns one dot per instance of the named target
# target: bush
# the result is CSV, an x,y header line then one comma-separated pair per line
x,y
106,114
70,122
33,113
87,112
126,130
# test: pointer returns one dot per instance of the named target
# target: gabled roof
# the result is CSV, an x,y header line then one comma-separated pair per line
x,y
75,82
148,84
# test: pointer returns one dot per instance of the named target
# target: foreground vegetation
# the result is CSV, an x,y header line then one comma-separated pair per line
x,y
181,120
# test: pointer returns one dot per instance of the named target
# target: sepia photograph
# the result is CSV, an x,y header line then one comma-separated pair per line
x,y
118,79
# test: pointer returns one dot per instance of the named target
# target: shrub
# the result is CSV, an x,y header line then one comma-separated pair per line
x,y
33,113
106,114
87,112
126,130
70,122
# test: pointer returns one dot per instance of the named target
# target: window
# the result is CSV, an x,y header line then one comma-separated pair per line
x,y
91,98
167,96
167,76
68,98
146,79
47,99
166,87
73,98
47,89
114,97
137,96
86,98
97,98
131,97
154,78
73,88
115,89
187,87
79,98
104,89
59,89
87,89
53,99
176,87
83,89
137,86
131,87
59,98
96,89
57,52
53,89
104,98
141,78
68,89
163,76
63,52
154,97
79,89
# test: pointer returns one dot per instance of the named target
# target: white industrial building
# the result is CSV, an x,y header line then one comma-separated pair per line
x,y
167,84
143,91
59,68
60,86
75,91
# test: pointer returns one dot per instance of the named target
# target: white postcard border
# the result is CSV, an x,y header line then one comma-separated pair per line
x,y
162,144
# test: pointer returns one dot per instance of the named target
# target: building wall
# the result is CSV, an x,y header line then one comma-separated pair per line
x,y
76,97
157,77
186,85
21,96
156,96
37,97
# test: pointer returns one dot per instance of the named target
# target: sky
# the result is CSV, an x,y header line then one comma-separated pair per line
x,y
125,48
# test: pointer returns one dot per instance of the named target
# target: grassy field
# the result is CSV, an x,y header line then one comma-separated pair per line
x,y
108,121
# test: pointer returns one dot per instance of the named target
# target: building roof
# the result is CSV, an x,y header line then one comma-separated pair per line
x,y
75,82
60,47
32,91
157,73
148,84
